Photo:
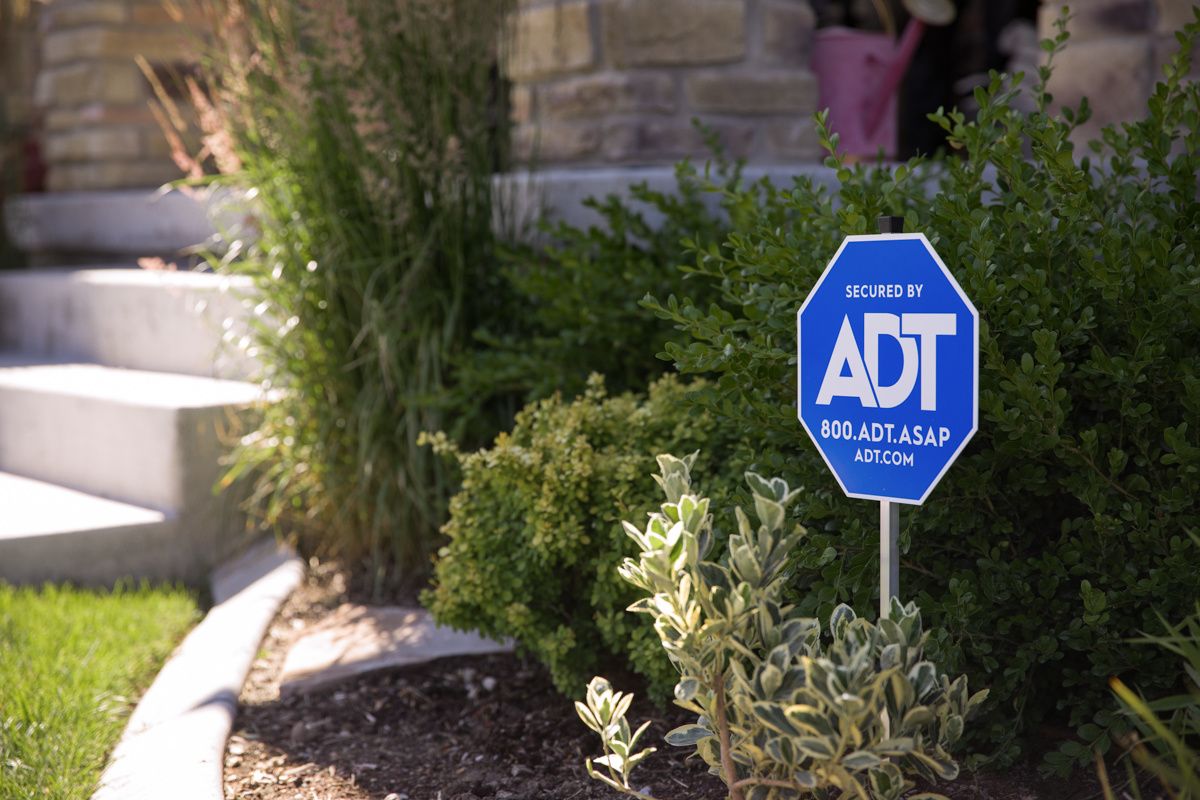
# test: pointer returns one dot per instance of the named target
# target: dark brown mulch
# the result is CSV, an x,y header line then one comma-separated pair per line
x,y
459,729
472,728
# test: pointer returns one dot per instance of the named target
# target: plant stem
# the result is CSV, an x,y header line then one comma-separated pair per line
x,y
727,765
607,763
745,783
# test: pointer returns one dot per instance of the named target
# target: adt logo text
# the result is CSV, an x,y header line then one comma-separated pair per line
x,y
863,382
888,367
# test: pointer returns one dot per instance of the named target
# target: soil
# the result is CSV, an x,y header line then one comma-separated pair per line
x,y
470,728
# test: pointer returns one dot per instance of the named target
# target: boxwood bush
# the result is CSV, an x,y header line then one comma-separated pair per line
x,y
1065,520
578,289
535,537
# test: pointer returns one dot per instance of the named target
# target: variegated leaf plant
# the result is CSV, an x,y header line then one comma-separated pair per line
x,y
782,712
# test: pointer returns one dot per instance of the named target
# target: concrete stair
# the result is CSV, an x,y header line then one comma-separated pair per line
x,y
138,319
51,533
120,392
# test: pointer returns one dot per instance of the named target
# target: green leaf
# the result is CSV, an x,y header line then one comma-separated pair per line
x,y
842,616
772,715
613,760
860,760
586,715
916,717
818,747
686,689
810,719
806,779
687,735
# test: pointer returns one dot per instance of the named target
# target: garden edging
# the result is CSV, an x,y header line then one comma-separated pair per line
x,y
175,740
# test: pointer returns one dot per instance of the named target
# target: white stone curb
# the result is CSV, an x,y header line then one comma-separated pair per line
x,y
174,744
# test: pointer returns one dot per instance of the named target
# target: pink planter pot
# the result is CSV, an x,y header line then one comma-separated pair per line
x,y
858,72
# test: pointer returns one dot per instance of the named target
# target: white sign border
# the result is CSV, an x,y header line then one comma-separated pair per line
x,y
891,237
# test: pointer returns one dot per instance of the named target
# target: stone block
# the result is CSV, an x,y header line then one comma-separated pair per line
x,y
59,119
156,147
1114,74
653,141
1172,15
94,144
1098,19
668,32
551,40
794,91
557,142
94,43
793,140
77,84
520,101
787,33
90,176
597,95
69,15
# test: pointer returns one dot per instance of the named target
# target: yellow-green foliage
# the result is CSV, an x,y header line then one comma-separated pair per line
x,y
535,534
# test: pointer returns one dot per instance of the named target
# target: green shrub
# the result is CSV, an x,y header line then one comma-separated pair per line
x,y
1062,524
369,133
780,713
575,294
534,532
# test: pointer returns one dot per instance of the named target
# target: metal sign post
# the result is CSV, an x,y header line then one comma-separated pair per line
x,y
887,385
889,512
889,555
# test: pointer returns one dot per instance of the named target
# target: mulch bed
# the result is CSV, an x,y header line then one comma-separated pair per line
x,y
470,728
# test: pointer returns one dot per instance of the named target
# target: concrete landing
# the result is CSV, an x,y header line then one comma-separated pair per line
x,y
358,639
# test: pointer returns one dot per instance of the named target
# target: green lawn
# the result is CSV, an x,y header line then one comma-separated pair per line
x,y
72,664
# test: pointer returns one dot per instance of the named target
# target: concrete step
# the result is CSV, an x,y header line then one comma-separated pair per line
x,y
185,322
51,533
123,222
148,438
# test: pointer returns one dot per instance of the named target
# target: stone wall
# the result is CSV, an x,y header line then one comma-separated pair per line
x,y
98,129
1115,55
619,81
595,82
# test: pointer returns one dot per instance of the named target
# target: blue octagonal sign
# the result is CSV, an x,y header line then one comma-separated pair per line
x,y
888,379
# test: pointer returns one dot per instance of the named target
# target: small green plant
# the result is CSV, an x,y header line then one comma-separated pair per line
x,y
535,536
605,714
780,712
1168,746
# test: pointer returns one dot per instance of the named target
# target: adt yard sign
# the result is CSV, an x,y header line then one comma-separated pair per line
x,y
889,367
